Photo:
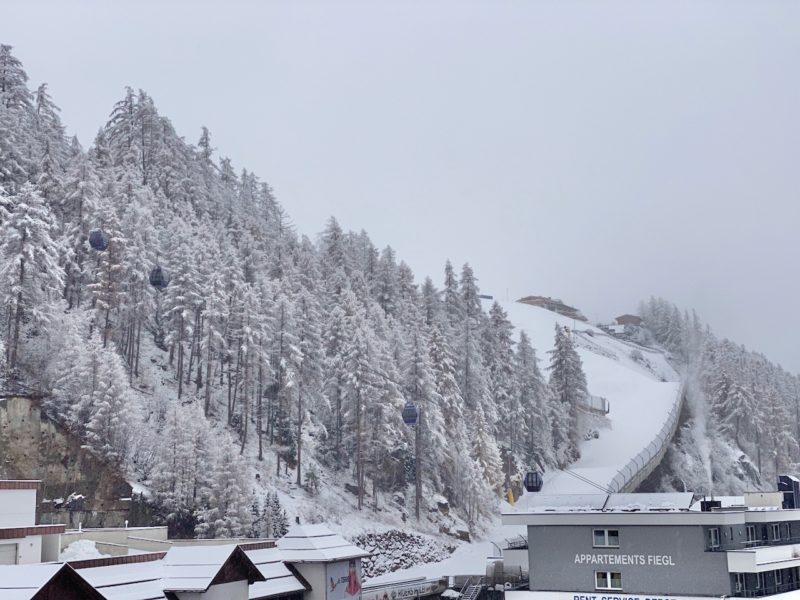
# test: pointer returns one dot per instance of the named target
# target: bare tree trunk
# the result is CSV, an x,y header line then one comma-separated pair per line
x,y
418,464
236,377
180,356
758,449
106,326
12,360
299,429
138,347
260,413
198,381
208,379
246,400
338,449
194,347
359,457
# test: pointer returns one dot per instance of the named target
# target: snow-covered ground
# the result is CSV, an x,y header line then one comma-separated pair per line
x,y
81,550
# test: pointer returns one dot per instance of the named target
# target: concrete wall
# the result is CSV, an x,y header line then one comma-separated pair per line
x,y
29,549
236,590
51,547
314,574
111,549
34,447
149,545
120,536
18,507
516,561
556,561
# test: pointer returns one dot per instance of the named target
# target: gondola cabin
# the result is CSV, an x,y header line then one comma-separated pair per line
x,y
98,240
158,278
533,481
410,414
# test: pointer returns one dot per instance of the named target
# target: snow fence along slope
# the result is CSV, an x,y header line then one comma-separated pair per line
x,y
644,409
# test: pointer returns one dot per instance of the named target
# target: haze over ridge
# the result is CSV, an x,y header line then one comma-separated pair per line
x,y
598,155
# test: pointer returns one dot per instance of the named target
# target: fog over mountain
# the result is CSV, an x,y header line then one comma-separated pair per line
x,y
562,148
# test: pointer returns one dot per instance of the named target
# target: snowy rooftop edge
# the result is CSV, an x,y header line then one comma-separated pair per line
x,y
570,503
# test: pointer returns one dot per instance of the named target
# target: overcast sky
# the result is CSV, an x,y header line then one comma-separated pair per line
x,y
596,152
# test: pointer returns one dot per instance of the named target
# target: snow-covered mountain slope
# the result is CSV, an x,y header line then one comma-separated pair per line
x,y
641,394
642,391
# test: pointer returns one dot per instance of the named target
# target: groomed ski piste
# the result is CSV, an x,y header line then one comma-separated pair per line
x,y
644,393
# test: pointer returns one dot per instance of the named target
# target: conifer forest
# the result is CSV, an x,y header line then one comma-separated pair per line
x,y
161,298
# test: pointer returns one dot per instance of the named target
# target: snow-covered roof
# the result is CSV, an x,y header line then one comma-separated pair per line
x,y
657,501
547,502
316,543
23,582
183,569
607,502
130,581
278,578
192,568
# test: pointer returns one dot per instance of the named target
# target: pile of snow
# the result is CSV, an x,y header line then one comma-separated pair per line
x,y
395,549
81,550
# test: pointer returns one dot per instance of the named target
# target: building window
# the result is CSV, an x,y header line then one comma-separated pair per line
x,y
759,581
607,580
751,534
740,585
606,538
776,531
778,577
713,537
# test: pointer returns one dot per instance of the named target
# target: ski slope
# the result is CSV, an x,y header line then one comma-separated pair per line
x,y
641,395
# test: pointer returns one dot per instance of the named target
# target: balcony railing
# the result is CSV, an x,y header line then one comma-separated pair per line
x,y
747,545
768,590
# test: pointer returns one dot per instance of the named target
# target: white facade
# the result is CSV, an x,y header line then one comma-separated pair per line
x,y
28,550
22,542
222,591
17,508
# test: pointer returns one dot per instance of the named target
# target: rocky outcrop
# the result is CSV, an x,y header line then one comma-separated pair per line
x,y
395,549
77,486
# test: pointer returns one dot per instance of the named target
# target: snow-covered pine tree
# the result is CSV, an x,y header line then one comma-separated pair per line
x,y
30,274
485,454
533,421
310,369
110,421
499,358
224,508
568,391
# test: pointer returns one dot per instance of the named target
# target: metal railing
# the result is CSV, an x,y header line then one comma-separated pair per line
x,y
768,590
638,468
519,542
748,545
